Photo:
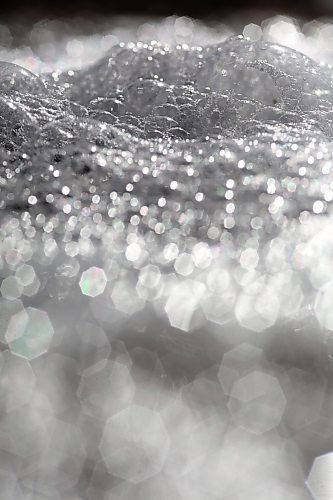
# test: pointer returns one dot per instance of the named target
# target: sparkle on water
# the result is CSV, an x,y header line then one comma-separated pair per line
x,y
166,261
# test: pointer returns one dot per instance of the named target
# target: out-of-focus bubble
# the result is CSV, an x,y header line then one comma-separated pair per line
x,y
7,309
182,304
257,402
202,255
150,276
184,264
305,394
60,463
11,288
25,429
17,381
125,298
93,282
106,388
32,288
135,444
319,480
29,333
217,307
257,308
25,274
237,363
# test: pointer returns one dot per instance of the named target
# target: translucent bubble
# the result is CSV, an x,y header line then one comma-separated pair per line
x,y
257,402
319,480
135,444
14,78
17,381
93,282
29,333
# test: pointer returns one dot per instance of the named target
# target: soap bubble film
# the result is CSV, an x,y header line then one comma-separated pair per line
x,y
166,321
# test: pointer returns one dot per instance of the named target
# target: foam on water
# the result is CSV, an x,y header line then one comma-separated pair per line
x,y
227,145
160,207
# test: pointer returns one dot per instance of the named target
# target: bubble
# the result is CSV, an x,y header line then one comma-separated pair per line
x,y
11,288
14,78
260,408
17,381
319,480
182,304
93,282
106,388
134,444
125,298
29,333
166,260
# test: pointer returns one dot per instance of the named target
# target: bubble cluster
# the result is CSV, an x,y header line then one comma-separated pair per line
x,y
166,267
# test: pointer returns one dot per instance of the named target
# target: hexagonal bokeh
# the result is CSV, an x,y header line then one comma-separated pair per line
x,y
7,309
150,276
184,264
17,381
182,304
58,466
93,281
23,430
194,434
257,307
148,285
218,308
135,444
125,298
11,288
320,478
106,388
236,363
25,274
182,426
29,333
305,393
202,255
32,288
257,402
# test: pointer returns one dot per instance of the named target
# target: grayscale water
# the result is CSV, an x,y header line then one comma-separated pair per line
x,y
166,265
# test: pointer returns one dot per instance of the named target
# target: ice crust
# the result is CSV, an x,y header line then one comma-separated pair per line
x,y
166,274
